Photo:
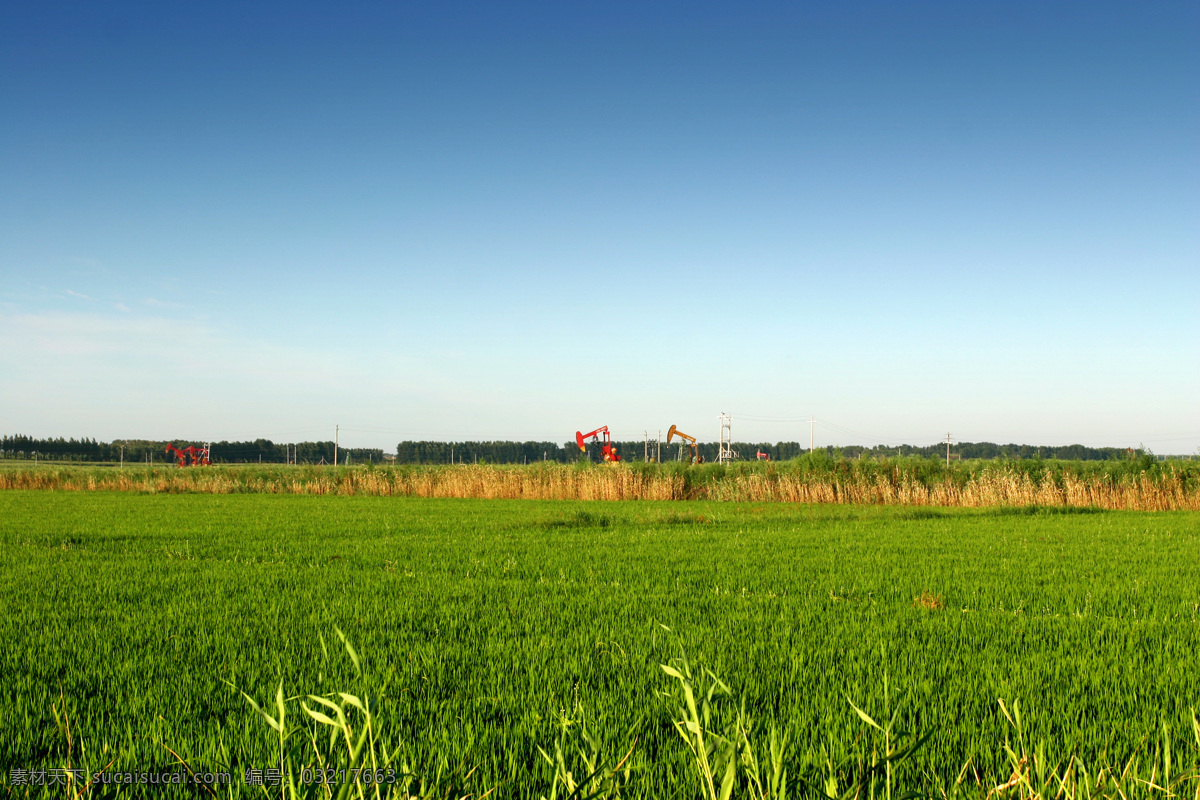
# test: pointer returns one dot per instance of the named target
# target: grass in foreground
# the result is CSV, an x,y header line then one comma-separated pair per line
x,y
517,646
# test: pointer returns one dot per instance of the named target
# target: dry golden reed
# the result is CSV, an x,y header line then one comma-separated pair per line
x,y
1168,490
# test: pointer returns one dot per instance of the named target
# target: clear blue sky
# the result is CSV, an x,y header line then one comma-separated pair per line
x,y
514,221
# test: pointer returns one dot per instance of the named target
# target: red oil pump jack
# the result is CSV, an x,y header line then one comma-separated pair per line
x,y
180,455
610,452
198,455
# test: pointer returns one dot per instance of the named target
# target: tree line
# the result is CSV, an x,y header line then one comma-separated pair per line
x,y
506,452
503,452
148,451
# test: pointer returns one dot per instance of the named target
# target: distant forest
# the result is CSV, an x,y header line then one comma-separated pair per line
x,y
526,452
152,452
268,452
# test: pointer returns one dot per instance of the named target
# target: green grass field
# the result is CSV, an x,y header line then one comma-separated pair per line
x,y
490,629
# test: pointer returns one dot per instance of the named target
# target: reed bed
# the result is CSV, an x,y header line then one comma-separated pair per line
x,y
1110,486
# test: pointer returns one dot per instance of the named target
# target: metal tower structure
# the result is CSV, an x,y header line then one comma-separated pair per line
x,y
656,449
725,453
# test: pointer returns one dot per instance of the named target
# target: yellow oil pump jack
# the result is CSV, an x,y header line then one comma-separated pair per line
x,y
673,432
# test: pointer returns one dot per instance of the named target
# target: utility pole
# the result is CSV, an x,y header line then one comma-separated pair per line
x,y
335,444
947,449
122,456
812,421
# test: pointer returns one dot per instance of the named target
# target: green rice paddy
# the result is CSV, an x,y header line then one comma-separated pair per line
x,y
490,632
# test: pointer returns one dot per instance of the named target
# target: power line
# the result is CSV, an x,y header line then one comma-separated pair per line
x,y
757,418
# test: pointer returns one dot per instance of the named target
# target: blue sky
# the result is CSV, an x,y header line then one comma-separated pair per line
x,y
513,221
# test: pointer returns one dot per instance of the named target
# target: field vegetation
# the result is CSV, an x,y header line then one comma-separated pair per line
x,y
1142,484
559,648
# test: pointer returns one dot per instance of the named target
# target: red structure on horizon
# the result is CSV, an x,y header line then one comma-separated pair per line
x,y
197,455
608,451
